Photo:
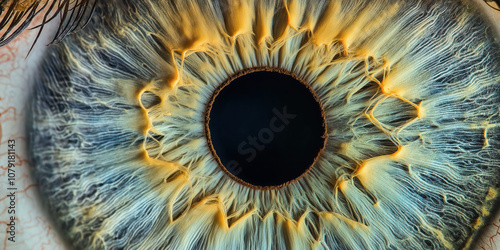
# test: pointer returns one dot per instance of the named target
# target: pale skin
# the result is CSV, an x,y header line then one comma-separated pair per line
x,y
33,226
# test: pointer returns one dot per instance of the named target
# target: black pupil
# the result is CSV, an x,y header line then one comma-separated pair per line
x,y
266,128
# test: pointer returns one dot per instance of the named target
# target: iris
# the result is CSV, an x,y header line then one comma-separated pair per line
x,y
409,97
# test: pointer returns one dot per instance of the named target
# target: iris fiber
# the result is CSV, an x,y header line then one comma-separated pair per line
x,y
409,90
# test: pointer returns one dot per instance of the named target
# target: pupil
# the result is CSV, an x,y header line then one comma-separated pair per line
x,y
266,128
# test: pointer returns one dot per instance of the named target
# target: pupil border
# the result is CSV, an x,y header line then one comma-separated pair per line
x,y
231,78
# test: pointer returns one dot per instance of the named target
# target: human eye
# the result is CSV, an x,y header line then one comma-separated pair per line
x,y
122,155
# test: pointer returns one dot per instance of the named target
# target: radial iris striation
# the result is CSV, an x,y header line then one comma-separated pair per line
x,y
410,97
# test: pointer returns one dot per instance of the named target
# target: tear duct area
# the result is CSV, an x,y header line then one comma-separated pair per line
x,y
265,127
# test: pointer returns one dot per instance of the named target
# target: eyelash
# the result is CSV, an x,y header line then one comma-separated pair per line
x,y
75,14
497,2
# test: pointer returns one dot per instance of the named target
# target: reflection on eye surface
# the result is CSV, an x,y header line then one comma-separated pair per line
x,y
413,145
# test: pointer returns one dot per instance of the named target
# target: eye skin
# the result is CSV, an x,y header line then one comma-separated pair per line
x,y
34,228
44,224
